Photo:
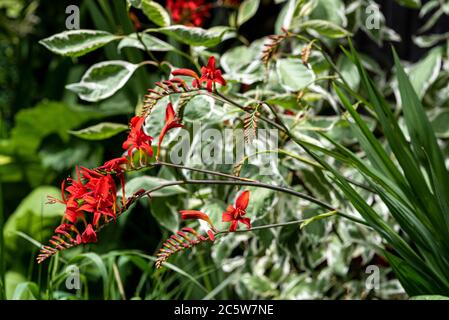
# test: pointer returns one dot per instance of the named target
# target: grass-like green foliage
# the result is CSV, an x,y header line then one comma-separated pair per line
x,y
408,175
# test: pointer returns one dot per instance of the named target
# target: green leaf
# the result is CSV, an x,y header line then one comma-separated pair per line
x,y
429,297
148,42
34,217
198,108
325,28
155,12
75,43
26,291
34,124
414,4
196,36
148,182
100,268
293,75
12,280
100,131
412,280
286,101
425,145
247,10
165,214
349,72
329,10
440,123
103,79
260,285
426,71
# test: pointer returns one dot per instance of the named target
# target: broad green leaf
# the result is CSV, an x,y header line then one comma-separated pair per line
x,y
34,216
349,72
242,63
293,75
414,4
325,28
148,42
75,43
286,101
198,108
247,10
155,12
260,285
26,291
196,36
100,131
148,183
12,280
329,10
165,214
99,265
103,79
440,123
285,17
426,71
34,124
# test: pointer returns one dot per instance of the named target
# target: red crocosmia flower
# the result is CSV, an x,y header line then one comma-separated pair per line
x,y
189,12
170,122
76,190
137,139
88,235
101,201
235,214
63,228
210,75
188,73
195,214
117,165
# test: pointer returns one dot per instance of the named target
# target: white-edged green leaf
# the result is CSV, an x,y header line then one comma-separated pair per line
x,y
426,71
325,28
100,131
148,182
146,42
247,10
75,43
198,108
426,41
155,12
103,79
293,75
196,36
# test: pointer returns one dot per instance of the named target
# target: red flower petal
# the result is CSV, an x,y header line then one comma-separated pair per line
x,y
211,235
185,72
242,200
211,63
227,217
247,222
195,214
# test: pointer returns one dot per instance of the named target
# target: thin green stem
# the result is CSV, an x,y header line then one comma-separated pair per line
x,y
249,184
211,172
